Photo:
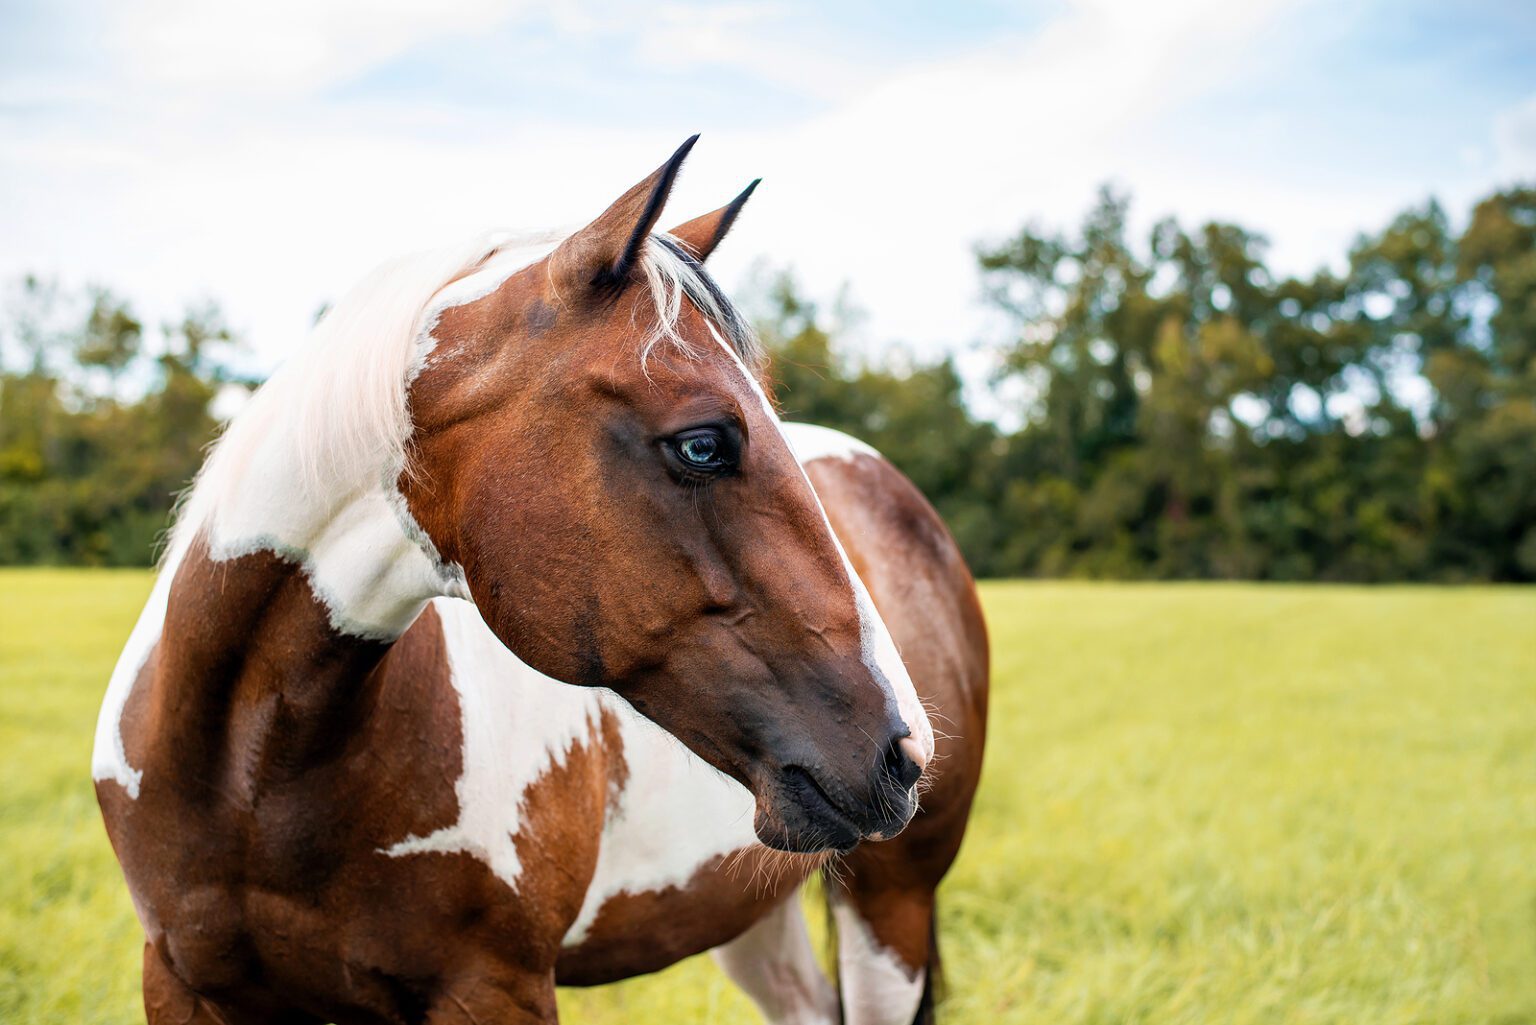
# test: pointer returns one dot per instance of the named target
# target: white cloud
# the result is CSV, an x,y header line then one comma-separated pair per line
x,y
751,38
892,188
1514,140
226,176
283,46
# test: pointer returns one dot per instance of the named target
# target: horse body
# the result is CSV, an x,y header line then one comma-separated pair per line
x,y
338,795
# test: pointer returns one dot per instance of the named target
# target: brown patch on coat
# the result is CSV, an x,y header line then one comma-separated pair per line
x,y
259,875
636,933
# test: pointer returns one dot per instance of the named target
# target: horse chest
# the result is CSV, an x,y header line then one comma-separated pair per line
x,y
532,748
679,868
570,784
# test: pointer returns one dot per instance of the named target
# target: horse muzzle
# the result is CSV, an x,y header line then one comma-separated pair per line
x,y
805,809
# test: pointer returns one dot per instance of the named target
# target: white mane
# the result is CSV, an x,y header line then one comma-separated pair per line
x,y
340,405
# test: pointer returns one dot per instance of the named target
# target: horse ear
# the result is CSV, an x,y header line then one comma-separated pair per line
x,y
602,254
702,234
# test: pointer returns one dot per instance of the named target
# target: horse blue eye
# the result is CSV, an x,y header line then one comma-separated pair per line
x,y
701,450
703,453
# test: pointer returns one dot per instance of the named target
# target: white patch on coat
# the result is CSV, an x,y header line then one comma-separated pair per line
x,y
363,564
675,814
877,987
516,724
109,759
774,964
810,441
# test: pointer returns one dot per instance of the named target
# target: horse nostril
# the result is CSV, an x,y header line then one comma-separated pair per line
x,y
904,761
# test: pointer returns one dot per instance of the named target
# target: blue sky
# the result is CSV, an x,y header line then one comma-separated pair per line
x,y
266,155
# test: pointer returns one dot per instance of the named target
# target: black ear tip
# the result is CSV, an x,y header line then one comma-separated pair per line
x,y
682,151
737,203
675,161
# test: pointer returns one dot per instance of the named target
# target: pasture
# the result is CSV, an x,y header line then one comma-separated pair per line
x,y
1202,803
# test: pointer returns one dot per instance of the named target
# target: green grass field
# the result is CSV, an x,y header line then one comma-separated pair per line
x,y
1202,803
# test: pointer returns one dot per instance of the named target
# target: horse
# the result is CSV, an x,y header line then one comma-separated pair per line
x,y
508,639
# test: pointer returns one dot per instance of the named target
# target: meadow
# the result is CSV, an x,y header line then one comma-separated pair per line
x,y
1202,803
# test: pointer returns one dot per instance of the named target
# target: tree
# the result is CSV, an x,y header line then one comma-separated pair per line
x,y
917,417
88,474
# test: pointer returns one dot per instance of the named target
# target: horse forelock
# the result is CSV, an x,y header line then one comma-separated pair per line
x,y
674,275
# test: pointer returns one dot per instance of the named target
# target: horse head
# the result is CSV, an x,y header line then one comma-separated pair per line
x,y
593,446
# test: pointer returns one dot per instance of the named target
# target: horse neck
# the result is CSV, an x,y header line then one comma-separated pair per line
x,y
282,603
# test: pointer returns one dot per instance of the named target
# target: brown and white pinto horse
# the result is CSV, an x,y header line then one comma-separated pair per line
x,y
332,762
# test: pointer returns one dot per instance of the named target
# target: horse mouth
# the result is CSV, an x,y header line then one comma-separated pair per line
x,y
826,825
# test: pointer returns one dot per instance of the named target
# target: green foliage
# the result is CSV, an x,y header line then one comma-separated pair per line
x,y
918,419
1188,414
86,475
1201,803
1207,419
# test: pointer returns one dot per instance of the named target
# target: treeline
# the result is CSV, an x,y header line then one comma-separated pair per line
x,y
1182,411
1188,413
102,423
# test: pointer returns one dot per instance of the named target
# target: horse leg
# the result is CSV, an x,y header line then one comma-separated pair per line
x,y
774,964
887,953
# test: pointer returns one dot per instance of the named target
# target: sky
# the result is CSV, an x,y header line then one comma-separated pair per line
x,y
267,155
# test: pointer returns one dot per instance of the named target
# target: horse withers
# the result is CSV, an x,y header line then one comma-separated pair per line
x,y
341,759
